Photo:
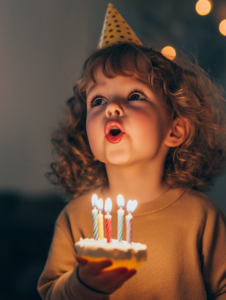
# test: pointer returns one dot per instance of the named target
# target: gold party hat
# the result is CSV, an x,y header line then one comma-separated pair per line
x,y
115,30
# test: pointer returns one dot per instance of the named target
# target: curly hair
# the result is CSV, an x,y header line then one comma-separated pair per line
x,y
187,92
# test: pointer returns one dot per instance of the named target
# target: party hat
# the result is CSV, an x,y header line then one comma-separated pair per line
x,y
115,30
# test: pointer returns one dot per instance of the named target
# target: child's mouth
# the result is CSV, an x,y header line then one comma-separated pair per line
x,y
114,131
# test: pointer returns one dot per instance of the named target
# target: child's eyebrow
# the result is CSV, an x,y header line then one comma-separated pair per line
x,y
141,80
91,88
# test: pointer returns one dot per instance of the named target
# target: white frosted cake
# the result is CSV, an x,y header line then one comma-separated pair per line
x,y
122,254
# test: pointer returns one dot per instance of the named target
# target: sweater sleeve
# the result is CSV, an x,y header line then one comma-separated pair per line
x,y
214,256
59,280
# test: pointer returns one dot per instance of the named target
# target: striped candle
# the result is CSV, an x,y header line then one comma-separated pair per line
x,y
131,205
121,203
100,219
107,208
129,222
94,214
108,227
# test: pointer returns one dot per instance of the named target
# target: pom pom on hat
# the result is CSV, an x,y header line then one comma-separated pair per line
x,y
115,30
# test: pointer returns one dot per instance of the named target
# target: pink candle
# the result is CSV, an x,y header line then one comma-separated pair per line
x,y
129,222
131,205
108,208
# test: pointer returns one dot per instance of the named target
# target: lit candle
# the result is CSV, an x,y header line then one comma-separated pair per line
x,y
131,205
94,214
121,203
107,208
100,219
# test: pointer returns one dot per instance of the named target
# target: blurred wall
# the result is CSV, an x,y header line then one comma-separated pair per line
x,y
43,46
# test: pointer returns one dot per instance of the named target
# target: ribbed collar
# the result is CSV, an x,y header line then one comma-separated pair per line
x,y
155,205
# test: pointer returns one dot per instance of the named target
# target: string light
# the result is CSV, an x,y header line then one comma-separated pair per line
x,y
203,7
169,52
222,27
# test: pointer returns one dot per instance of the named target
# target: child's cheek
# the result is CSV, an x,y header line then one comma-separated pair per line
x,y
94,133
89,131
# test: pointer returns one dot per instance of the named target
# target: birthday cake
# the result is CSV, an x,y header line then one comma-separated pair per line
x,y
122,254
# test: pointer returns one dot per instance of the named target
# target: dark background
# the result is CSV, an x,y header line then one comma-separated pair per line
x,y
43,46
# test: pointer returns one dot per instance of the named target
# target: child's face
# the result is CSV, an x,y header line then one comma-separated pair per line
x,y
143,121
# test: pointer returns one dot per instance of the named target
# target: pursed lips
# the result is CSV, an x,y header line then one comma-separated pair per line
x,y
114,131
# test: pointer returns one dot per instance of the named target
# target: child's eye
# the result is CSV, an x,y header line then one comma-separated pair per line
x,y
136,96
96,101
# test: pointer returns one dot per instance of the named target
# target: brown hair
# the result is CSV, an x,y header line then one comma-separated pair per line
x,y
187,92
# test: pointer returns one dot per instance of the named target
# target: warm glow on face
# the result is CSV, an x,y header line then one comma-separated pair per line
x,y
169,52
203,7
222,27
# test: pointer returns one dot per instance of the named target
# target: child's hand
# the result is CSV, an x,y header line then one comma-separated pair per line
x,y
90,273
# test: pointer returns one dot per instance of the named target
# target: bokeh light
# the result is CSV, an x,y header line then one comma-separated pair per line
x,y
203,7
169,52
222,27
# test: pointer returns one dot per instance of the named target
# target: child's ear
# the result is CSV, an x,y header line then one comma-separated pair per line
x,y
178,132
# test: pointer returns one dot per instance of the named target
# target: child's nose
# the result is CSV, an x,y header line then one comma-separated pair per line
x,y
114,109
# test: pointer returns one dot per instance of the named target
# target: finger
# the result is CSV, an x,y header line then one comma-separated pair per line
x,y
124,277
108,276
97,267
130,273
119,281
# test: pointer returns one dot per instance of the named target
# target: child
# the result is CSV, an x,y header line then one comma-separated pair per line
x,y
141,126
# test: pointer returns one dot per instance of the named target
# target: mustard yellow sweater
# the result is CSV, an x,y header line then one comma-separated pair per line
x,y
185,234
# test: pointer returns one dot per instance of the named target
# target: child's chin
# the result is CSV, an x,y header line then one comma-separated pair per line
x,y
117,157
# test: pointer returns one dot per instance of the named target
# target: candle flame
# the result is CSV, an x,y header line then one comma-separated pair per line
x,y
108,205
131,205
94,200
120,201
100,204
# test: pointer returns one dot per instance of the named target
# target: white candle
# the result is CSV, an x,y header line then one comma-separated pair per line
x,y
94,214
121,204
